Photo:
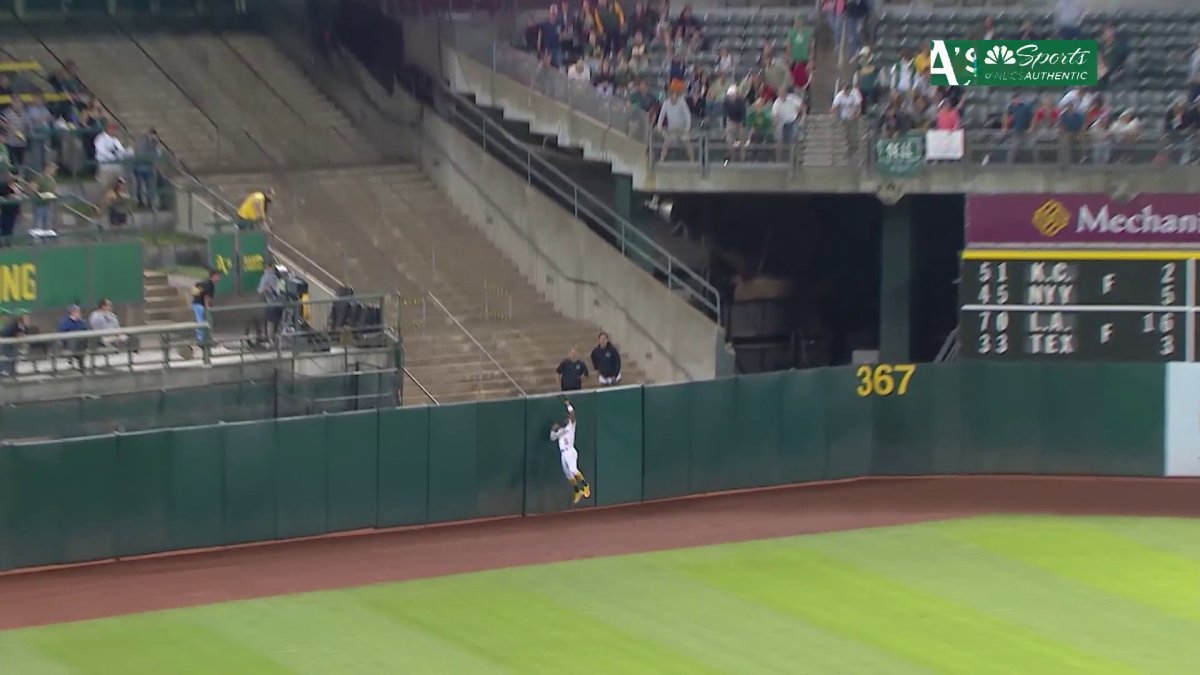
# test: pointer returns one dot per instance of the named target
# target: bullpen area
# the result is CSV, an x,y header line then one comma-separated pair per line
x,y
876,576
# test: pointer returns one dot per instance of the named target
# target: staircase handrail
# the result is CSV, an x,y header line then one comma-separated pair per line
x,y
477,344
629,238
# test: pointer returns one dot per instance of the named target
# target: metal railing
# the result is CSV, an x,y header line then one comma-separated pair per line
x,y
994,150
709,151
483,351
627,238
96,351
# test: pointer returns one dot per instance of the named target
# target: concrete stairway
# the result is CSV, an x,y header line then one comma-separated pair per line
x,y
391,228
164,302
218,103
141,96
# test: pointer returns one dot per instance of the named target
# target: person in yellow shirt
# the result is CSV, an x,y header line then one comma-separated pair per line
x,y
921,61
253,211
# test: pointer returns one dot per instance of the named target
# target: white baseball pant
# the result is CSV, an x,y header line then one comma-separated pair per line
x,y
570,460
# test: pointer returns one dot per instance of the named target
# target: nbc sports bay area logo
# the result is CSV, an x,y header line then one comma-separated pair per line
x,y
1013,63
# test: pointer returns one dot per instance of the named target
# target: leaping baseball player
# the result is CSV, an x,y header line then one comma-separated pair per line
x,y
565,435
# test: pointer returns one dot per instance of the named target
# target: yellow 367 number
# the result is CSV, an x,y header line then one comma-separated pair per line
x,y
884,379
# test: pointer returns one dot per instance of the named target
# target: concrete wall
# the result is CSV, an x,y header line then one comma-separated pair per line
x,y
546,115
582,275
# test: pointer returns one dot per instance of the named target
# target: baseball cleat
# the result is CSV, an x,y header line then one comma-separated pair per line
x,y
576,497
587,490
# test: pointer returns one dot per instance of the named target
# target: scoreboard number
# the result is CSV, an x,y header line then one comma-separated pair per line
x,y
881,380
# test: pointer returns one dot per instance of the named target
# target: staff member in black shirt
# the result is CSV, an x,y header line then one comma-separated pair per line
x,y
202,295
607,361
571,372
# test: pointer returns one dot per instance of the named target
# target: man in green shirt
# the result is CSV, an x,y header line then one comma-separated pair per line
x,y
800,49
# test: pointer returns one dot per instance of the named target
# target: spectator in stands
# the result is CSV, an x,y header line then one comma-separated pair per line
x,y
1068,15
1127,127
606,361
787,116
571,372
1095,110
866,76
147,152
13,123
636,51
92,122
758,121
117,203
1046,115
847,103
46,187
1113,54
610,25
73,323
1079,97
893,123
623,76
202,297
111,156
1018,120
593,54
17,326
800,50
902,76
1194,74
1070,126
579,73
1101,140
604,80
531,34
642,21
1029,32
677,71
675,123
697,95
103,318
751,86
584,25
1175,122
776,76
833,11
856,14
725,63
642,97
987,30
948,116
736,134
11,194
549,37
686,21
38,127
921,114
255,209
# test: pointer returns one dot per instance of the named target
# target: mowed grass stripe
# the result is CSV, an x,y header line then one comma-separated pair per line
x,y
915,626
1105,625
1179,536
323,633
647,595
494,619
161,642
1089,554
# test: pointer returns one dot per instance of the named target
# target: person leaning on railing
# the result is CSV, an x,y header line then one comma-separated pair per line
x,y
12,192
253,211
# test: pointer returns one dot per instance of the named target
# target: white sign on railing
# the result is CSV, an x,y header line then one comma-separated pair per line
x,y
944,145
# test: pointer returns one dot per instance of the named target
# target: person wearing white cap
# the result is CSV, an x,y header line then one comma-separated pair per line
x,y
734,107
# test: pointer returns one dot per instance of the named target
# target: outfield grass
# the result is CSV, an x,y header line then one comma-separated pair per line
x,y
982,595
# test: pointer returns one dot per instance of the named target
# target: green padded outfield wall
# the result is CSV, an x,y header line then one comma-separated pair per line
x,y
135,493
53,277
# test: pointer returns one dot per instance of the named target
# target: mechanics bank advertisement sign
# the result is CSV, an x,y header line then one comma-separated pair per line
x,y
1048,219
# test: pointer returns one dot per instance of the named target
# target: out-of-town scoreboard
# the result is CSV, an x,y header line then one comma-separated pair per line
x,y
1082,305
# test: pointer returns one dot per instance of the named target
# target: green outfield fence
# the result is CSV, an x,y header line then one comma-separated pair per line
x,y
127,494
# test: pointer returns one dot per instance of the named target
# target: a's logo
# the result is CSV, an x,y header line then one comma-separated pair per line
x,y
1051,218
1013,63
1000,55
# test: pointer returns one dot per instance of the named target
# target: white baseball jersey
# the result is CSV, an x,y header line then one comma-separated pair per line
x,y
565,437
